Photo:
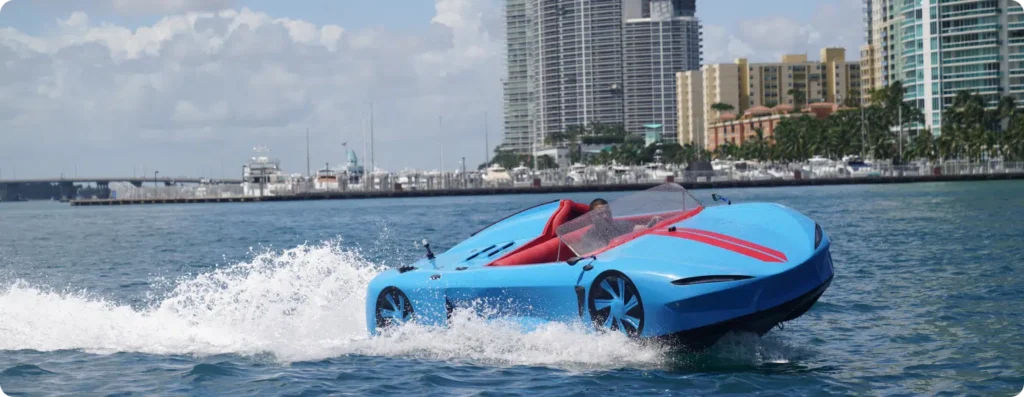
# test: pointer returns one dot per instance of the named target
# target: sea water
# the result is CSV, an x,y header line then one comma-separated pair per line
x,y
269,299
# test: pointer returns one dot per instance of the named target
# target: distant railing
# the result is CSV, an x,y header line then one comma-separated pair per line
x,y
127,191
586,177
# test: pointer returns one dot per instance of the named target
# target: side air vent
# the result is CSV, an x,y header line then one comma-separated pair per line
x,y
500,249
480,252
709,279
817,235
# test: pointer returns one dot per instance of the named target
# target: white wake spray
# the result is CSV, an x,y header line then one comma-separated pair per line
x,y
302,304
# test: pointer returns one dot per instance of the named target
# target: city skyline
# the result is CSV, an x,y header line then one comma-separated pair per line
x,y
108,85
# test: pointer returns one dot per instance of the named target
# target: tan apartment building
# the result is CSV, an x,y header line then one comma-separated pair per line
x,y
721,85
832,79
868,77
880,59
746,86
690,108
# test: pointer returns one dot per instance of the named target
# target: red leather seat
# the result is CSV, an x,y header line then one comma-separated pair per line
x,y
546,248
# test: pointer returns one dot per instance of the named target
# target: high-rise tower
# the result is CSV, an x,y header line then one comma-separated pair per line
x,y
966,45
606,61
660,38
880,57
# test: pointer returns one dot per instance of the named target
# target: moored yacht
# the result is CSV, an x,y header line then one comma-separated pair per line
x,y
856,167
326,179
497,174
262,176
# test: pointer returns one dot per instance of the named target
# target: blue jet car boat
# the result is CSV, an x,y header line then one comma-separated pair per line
x,y
654,264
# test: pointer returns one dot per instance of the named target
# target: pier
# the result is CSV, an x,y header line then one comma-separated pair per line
x,y
350,195
40,188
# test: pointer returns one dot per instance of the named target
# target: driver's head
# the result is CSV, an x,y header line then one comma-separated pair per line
x,y
600,205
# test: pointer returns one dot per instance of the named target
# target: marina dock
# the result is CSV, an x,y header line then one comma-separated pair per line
x,y
350,195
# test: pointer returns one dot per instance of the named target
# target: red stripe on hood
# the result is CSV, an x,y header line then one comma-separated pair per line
x,y
737,241
729,243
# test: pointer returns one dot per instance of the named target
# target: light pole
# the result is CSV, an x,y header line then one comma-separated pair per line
x,y
863,130
899,158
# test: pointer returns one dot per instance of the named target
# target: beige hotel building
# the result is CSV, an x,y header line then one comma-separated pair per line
x,y
759,86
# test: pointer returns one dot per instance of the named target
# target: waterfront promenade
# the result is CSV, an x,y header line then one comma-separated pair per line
x,y
349,195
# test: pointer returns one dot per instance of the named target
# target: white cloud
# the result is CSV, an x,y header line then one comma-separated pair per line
x,y
197,88
766,39
720,46
169,6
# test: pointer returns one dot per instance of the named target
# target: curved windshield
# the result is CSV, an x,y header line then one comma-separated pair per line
x,y
626,216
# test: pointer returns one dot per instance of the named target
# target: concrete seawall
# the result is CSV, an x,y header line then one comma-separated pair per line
x,y
350,195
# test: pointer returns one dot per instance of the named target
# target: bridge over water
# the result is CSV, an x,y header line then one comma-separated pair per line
x,y
47,188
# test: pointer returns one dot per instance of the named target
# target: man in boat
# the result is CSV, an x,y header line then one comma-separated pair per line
x,y
606,228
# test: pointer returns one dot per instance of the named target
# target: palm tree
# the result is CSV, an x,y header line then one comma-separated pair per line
x,y
1013,140
852,99
799,97
758,147
1007,111
722,107
726,150
924,146
964,125
793,137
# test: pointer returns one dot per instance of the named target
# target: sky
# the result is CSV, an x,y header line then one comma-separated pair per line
x,y
93,88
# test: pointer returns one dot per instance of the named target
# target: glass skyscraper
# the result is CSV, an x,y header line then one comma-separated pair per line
x,y
664,40
573,62
949,46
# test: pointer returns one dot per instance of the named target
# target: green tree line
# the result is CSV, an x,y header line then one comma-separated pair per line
x,y
887,129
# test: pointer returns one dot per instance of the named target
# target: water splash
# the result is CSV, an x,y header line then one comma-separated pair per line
x,y
290,304
301,304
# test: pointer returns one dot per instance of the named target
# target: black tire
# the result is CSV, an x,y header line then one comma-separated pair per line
x,y
613,310
393,308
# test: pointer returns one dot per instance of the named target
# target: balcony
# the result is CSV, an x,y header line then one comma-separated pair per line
x,y
969,75
988,58
972,43
986,28
968,13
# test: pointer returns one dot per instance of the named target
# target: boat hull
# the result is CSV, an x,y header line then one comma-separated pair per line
x,y
759,323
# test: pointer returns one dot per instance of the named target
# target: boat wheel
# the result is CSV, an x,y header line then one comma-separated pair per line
x,y
615,304
393,308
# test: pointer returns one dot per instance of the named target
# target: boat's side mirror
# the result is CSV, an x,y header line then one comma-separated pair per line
x,y
576,259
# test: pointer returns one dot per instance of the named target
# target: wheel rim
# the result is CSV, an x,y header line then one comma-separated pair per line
x,y
393,308
615,305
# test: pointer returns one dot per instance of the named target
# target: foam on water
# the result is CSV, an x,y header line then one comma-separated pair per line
x,y
305,303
